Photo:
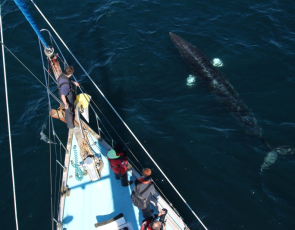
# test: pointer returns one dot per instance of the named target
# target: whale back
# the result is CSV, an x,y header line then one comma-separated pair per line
x,y
217,83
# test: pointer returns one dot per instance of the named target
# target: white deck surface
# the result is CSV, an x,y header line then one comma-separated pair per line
x,y
92,202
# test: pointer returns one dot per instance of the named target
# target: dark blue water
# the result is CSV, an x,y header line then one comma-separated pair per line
x,y
126,48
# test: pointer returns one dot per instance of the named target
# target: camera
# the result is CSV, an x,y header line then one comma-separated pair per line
x,y
162,217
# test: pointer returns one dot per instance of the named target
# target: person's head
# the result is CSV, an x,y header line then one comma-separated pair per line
x,y
146,172
156,225
69,70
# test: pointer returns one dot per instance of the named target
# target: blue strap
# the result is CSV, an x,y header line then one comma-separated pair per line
x,y
24,9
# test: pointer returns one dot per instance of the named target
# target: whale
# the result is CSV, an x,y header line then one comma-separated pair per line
x,y
217,83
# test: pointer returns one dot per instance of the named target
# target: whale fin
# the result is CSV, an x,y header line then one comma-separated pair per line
x,y
272,156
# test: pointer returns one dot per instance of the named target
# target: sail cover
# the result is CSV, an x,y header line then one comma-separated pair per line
x,y
24,9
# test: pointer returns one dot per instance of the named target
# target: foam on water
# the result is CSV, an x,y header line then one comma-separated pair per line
x,y
43,135
217,62
191,80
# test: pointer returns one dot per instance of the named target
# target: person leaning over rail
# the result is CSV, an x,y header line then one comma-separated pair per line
x,y
143,188
151,223
118,163
67,94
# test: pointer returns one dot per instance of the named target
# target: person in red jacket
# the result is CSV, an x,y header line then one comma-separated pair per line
x,y
118,163
152,223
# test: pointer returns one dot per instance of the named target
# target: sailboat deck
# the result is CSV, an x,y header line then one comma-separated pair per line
x,y
93,202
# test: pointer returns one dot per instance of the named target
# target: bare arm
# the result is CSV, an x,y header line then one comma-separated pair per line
x,y
76,83
63,98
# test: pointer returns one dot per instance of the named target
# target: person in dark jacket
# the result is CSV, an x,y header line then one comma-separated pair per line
x,y
118,163
67,94
142,183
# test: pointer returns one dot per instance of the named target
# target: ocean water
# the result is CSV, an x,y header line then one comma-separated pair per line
x,y
126,49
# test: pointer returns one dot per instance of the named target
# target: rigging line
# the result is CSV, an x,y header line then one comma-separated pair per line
x,y
55,200
60,141
49,107
133,165
50,117
32,73
106,131
47,86
119,116
115,132
106,138
80,65
8,122
50,74
64,61
50,175
60,177
139,170
159,169
29,70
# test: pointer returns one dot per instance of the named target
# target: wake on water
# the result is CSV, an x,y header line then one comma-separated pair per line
x,y
191,80
43,136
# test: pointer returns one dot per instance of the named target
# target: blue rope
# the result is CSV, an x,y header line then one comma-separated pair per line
x,y
24,9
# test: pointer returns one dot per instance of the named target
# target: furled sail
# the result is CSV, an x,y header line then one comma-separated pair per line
x,y
24,9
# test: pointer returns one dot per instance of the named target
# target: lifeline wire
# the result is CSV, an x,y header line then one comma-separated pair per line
x,y
8,122
119,116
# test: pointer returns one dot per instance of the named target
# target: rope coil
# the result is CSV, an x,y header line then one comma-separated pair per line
x,y
78,172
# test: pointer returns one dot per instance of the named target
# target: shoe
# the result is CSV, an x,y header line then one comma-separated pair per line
x,y
130,182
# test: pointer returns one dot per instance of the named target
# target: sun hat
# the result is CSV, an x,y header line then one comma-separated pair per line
x,y
112,154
